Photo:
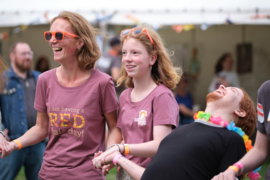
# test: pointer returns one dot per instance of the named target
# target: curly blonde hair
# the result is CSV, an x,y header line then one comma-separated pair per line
x,y
163,71
90,52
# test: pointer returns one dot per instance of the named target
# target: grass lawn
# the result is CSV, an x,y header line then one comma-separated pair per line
x,y
112,174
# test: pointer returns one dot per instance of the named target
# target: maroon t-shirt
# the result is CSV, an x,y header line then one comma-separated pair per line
x,y
76,124
137,119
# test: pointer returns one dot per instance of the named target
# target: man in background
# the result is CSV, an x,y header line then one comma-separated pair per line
x,y
110,63
19,115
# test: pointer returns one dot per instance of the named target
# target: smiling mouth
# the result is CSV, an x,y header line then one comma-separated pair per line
x,y
57,49
130,66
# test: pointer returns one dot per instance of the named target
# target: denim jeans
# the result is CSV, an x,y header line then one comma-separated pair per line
x,y
30,157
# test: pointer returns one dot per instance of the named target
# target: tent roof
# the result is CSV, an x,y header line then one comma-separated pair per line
x,y
169,12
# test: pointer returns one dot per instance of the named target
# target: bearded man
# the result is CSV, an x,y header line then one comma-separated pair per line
x,y
18,113
202,149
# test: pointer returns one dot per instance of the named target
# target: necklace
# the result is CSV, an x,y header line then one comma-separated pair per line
x,y
253,175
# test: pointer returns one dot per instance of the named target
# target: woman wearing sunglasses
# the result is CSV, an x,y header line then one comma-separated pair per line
x,y
148,111
73,102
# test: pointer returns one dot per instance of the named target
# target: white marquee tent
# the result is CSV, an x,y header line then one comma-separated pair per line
x,y
154,12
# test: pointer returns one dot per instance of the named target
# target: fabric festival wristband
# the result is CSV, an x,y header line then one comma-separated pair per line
x,y
126,149
19,144
240,167
234,168
115,159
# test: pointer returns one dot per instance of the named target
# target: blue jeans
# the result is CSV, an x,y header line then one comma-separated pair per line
x,y
30,157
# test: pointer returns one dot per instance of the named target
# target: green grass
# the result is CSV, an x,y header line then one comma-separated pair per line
x,y
112,174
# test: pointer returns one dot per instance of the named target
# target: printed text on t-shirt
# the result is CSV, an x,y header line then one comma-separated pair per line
x,y
67,120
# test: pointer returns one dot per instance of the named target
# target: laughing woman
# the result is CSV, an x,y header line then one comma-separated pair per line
x,y
148,111
73,101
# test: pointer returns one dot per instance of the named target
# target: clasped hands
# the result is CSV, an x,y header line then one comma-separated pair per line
x,y
6,147
103,160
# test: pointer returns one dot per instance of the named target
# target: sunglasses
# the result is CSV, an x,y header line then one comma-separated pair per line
x,y
137,32
59,35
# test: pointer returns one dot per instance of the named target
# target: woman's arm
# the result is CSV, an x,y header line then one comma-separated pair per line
x,y
34,135
134,170
185,110
147,149
253,159
115,135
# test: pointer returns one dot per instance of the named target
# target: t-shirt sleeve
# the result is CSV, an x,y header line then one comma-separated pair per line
x,y
108,96
232,154
263,94
40,98
165,110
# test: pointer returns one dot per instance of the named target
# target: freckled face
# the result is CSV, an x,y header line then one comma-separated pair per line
x,y
136,60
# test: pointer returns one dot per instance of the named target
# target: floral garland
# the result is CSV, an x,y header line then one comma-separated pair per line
x,y
253,175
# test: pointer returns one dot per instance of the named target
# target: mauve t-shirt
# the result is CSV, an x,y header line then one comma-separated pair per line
x,y
137,119
76,124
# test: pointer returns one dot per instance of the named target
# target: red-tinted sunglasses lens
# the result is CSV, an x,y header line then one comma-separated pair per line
x,y
59,36
48,36
138,31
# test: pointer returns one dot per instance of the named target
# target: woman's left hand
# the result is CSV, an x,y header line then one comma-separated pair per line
x,y
99,161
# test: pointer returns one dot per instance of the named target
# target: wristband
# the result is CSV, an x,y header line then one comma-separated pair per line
x,y
115,159
1,132
234,168
126,149
240,167
19,144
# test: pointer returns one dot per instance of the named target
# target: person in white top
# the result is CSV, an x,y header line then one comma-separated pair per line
x,y
224,74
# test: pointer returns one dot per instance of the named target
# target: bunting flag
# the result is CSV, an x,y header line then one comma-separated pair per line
x,y
4,36
177,28
205,26
263,16
135,20
188,27
100,18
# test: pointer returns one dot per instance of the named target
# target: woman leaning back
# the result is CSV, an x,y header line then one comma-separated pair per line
x,y
73,101
148,111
